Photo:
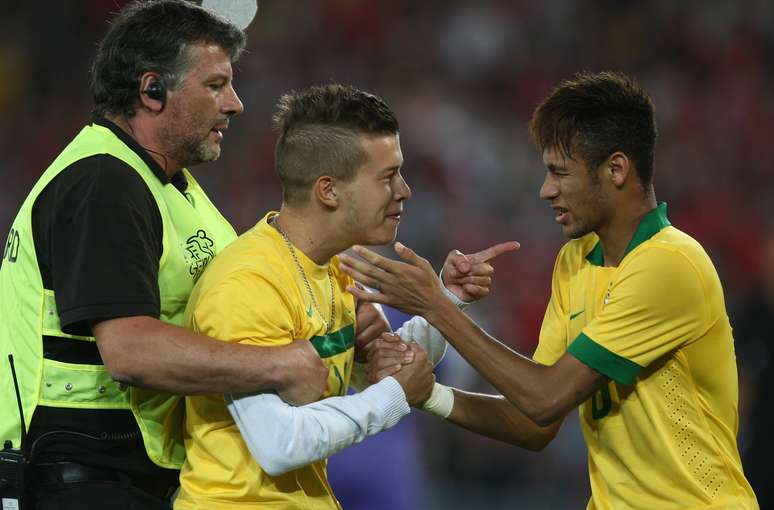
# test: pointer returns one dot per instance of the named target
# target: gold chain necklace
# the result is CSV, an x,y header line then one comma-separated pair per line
x,y
328,325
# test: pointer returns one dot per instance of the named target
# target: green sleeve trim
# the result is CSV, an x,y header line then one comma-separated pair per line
x,y
608,363
334,343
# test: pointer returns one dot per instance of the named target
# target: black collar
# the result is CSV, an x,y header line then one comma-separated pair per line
x,y
178,180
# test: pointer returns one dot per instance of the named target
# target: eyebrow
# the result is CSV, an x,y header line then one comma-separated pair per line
x,y
218,75
552,167
391,169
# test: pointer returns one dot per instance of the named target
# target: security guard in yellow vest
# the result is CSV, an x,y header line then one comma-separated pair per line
x,y
99,265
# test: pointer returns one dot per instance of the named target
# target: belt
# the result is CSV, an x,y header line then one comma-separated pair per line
x,y
56,473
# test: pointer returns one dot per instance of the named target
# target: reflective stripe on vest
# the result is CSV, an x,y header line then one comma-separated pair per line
x,y
81,386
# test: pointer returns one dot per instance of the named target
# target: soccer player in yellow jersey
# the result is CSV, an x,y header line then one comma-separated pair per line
x,y
635,333
339,160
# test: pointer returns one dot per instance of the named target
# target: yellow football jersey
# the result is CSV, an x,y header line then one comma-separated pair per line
x,y
662,433
253,293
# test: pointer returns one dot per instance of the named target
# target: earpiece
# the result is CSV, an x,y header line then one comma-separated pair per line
x,y
157,90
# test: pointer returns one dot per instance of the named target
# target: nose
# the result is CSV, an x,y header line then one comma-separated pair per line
x,y
549,190
232,105
402,190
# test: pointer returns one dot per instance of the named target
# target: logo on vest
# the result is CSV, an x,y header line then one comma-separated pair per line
x,y
199,250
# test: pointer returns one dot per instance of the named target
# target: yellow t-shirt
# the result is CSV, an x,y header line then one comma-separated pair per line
x,y
662,433
253,293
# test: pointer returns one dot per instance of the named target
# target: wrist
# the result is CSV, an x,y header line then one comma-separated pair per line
x,y
282,368
454,299
442,308
459,303
441,401
388,395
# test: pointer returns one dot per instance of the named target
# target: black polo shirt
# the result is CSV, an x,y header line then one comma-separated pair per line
x,y
98,238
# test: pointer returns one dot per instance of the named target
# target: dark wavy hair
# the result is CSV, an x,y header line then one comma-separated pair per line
x,y
597,114
320,130
154,36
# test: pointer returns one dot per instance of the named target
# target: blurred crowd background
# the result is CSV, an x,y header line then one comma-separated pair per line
x,y
463,78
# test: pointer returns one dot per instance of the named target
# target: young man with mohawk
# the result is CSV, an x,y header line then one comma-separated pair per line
x,y
339,160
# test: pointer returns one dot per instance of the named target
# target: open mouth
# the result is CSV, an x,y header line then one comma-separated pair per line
x,y
561,214
394,217
219,129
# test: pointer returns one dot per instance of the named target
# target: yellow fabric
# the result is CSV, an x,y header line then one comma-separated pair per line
x,y
667,441
253,293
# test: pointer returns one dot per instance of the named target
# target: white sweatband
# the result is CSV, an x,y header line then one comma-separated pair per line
x,y
449,294
441,401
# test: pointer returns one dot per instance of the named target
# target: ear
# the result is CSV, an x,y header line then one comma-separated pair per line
x,y
324,191
619,168
146,101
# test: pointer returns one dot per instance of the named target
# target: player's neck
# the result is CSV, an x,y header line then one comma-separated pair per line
x,y
617,233
309,233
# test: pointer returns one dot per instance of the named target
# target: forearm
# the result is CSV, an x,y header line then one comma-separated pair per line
x,y
282,437
493,416
526,384
542,393
143,351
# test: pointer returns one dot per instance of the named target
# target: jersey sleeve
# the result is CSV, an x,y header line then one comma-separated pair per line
x,y
657,305
552,342
245,307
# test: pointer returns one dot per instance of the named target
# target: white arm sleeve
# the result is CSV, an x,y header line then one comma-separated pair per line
x,y
418,330
428,338
282,437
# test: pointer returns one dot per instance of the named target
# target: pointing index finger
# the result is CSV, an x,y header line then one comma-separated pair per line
x,y
493,251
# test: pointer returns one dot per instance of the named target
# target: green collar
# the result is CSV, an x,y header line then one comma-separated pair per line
x,y
649,225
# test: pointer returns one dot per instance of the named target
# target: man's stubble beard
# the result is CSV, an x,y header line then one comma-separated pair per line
x,y
193,152
187,150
